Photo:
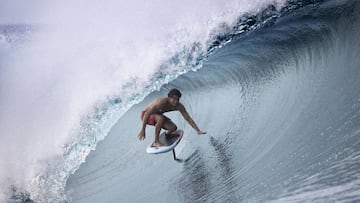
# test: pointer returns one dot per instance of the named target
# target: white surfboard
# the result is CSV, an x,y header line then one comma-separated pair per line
x,y
169,142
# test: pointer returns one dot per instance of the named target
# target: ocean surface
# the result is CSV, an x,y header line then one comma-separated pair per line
x,y
275,84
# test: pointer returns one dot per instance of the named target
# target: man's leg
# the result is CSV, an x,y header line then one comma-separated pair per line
x,y
169,126
160,120
165,123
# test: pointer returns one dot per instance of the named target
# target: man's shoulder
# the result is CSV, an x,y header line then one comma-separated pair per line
x,y
162,100
159,100
180,107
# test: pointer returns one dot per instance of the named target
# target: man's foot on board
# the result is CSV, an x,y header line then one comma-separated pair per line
x,y
158,144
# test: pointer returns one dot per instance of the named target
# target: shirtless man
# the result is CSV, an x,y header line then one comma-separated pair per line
x,y
153,115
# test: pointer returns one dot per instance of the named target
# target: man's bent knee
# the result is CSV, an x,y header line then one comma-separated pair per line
x,y
174,128
171,127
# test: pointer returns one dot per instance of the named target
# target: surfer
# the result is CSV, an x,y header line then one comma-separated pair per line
x,y
153,115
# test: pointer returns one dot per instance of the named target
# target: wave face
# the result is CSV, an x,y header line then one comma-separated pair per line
x,y
281,105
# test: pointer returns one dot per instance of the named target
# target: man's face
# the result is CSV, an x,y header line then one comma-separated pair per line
x,y
174,100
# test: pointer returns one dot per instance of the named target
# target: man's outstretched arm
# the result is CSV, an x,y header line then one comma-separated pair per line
x,y
187,117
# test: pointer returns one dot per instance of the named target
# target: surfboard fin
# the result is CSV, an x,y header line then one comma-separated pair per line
x,y
174,155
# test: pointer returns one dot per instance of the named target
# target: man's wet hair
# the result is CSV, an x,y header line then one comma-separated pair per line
x,y
173,92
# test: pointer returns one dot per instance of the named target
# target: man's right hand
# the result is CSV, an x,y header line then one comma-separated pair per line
x,y
201,132
141,135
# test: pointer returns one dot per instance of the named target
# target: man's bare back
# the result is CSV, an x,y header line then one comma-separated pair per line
x,y
153,115
161,105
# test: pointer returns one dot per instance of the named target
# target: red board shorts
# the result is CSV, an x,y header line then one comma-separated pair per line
x,y
151,120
